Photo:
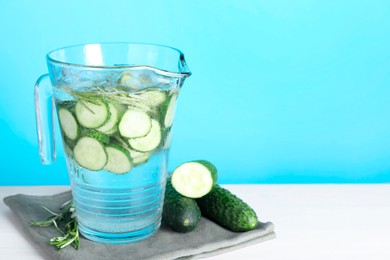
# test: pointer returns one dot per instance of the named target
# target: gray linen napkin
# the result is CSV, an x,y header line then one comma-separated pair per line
x,y
206,240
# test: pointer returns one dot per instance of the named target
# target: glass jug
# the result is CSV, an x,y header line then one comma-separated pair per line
x,y
115,104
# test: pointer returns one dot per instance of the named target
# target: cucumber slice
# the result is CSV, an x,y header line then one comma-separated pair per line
x,y
90,153
118,159
113,130
168,133
126,79
149,142
92,115
170,112
194,179
135,156
138,157
129,80
68,123
112,120
153,97
134,124
121,109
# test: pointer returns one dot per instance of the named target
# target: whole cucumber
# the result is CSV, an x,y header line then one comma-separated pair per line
x,y
227,210
180,213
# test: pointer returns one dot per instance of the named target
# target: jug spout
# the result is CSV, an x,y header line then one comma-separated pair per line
x,y
183,67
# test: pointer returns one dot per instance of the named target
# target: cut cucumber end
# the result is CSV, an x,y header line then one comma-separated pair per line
x,y
194,179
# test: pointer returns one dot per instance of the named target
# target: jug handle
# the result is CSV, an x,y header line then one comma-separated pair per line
x,y
44,112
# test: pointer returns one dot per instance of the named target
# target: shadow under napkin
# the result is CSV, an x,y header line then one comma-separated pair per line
x,y
206,240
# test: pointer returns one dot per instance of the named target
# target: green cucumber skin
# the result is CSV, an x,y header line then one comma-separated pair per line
x,y
120,148
101,137
180,213
227,210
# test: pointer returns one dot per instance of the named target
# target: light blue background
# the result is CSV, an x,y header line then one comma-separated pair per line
x,y
282,91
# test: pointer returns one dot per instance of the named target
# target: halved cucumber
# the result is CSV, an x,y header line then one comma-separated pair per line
x,y
92,115
149,142
90,153
170,112
134,123
112,120
118,159
194,179
68,123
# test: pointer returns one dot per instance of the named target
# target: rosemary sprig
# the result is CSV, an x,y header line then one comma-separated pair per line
x,y
113,95
65,222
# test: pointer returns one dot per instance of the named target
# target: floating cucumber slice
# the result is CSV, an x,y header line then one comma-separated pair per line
x,y
149,142
168,138
68,123
134,123
90,153
118,159
138,157
113,130
170,112
129,80
92,115
153,97
112,120
194,179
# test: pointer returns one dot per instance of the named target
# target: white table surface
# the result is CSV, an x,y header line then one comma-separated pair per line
x,y
311,222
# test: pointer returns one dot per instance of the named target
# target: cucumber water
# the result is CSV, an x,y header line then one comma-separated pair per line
x,y
115,139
